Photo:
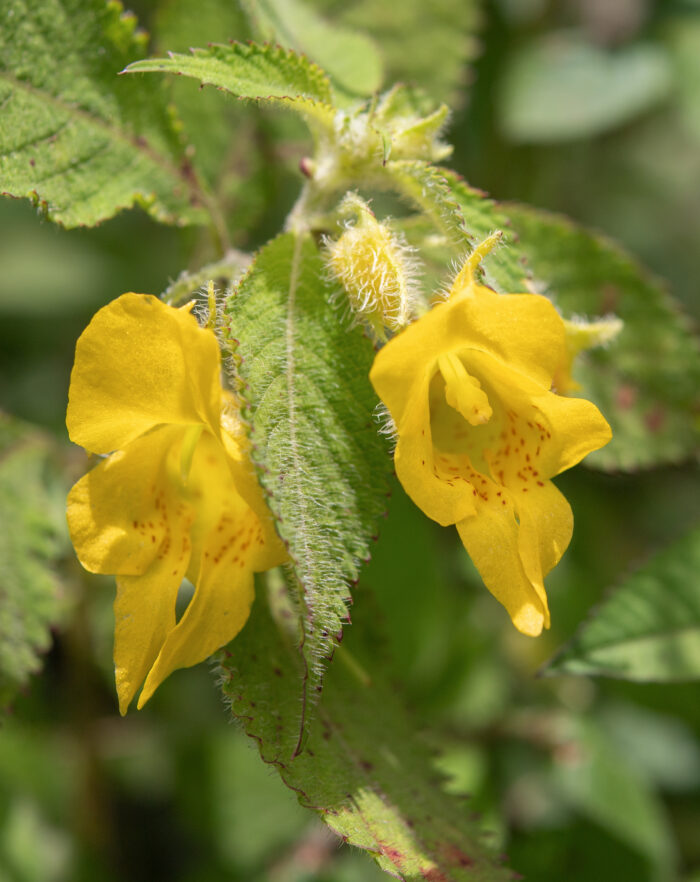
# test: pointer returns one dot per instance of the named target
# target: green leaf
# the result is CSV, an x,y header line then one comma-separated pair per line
x,y
361,769
646,382
464,216
350,58
263,73
31,540
212,126
596,779
78,140
428,44
226,273
682,35
315,443
649,627
561,88
427,187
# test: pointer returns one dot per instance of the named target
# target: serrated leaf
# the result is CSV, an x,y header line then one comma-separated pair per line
x,y
426,186
31,539
320,459
649,627
465,217
361,770
263,73
76,138
646,382
350,58
560,87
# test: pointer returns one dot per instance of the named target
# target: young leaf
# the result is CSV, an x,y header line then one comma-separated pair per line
x,y
360,770
649,628
320,459
264,73
350,59
31,539
464,216
77,139
646,382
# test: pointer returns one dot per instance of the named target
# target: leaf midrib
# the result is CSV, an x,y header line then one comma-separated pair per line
x,y
640,638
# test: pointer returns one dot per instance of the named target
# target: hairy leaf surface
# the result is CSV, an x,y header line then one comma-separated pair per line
x,y
464,216
80,141
265,73
646,382
31,539
320,459
649,628
361,770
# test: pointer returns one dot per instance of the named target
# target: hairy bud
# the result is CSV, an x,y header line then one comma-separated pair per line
x,y
375,266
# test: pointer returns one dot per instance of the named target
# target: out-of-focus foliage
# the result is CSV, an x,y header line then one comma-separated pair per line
x,y
33,537
649,629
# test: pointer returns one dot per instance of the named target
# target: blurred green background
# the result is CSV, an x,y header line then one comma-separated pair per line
x,y
587,107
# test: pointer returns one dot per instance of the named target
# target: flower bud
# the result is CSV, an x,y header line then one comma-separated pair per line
x,y
375,266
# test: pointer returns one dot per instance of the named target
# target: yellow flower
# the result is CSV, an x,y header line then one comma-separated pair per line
x,y
176,498
480,432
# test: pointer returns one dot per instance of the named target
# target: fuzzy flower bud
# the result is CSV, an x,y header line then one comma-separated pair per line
x,y
375,266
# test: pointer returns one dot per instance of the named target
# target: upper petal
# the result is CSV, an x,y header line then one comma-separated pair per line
x,y
522,330
138,364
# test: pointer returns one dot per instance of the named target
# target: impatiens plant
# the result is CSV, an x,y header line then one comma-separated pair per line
x,y
243,427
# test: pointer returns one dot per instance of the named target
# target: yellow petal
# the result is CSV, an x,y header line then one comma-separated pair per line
x,y
545,432
523,331
139,364
144,615
122,514
578,428
546,525
229,543
491,538
442,498
222,599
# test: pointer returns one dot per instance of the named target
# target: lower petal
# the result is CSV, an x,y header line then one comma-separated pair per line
x,y
144,615
492,540
546,526
221,603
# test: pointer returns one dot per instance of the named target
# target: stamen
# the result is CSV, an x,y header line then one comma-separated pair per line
x,y
189,442
463,392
